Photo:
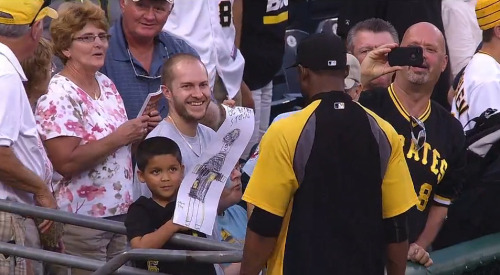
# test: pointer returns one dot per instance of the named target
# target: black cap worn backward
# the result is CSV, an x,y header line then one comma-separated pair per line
x,y
321,51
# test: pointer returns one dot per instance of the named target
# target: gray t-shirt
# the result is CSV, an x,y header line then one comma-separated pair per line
x,y
166,129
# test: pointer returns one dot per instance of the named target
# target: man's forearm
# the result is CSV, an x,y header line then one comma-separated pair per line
x,y
16,175
256,252
237,20
437,215
396,258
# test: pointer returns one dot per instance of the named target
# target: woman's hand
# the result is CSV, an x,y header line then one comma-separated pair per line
x,y
375,64
133,130
154,120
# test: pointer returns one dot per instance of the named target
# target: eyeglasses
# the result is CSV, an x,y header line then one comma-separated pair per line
x,y
53,68
45,4
421,138
141,75
90,38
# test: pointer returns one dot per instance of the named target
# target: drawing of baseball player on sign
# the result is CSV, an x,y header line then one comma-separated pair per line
x,y
207,173
200,190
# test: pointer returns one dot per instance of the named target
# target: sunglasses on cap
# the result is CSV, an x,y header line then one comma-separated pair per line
x,y
45,4
420,139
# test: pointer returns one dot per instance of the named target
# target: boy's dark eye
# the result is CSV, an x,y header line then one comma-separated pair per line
x,y
155,171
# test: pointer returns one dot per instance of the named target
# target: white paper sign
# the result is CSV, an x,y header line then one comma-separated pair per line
x,y
200,191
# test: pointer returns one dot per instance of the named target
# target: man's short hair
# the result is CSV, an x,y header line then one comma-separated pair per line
x,y
375,25
156,146
13,31
167,74
488,35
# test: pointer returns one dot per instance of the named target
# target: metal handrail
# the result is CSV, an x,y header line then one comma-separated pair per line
x,y
170,256
183,240
63,259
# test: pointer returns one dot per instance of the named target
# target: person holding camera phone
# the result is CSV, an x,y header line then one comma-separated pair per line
x,y
433,138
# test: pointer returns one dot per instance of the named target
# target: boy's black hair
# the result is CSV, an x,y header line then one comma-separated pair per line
x,y
156,146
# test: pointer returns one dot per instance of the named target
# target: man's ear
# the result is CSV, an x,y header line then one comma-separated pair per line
x,y
303,73
37,30
445,63
496,31
166,91
122,4
182,169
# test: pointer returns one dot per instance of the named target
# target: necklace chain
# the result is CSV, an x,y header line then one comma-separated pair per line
x,y
183,138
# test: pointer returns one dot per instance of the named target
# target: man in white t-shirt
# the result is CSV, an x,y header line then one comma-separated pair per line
x,y
25,169
185,85
475,213
208,27
479,88
462,32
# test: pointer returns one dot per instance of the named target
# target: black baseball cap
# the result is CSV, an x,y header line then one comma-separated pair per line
x,y
321,51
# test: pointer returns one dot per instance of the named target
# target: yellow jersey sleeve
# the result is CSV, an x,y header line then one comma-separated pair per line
x,y
273,182
398,193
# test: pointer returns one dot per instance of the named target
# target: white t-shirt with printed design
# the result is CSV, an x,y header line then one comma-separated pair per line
x,y
66,110
17,126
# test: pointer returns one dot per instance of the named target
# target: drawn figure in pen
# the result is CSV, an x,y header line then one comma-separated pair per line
x,y
206,174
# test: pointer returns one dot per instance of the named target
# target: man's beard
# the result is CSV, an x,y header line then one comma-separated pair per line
x,y
180,109
418,78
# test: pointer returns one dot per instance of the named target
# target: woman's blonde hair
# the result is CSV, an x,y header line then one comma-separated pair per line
x,y
37,68
73,17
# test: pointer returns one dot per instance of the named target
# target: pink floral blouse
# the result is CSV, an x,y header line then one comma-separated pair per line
x,y
66,110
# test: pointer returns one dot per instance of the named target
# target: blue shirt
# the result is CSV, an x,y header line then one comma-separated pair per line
x,y
133,87
233,225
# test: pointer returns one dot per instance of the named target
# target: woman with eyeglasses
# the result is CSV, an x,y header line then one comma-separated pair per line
x,y
84,126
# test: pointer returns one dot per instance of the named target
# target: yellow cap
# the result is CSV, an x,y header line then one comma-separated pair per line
x,y
488,13
22,12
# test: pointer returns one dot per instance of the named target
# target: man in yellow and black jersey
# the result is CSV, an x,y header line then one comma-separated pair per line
x,y
331,187
433,139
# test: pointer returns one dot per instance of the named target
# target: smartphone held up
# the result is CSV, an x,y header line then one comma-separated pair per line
x,y
406,56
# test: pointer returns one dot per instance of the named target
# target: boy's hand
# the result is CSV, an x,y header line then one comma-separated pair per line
x,y
177,227
182,228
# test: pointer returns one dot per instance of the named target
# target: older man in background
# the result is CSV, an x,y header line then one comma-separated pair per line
x,y
368,35
137,50
25,170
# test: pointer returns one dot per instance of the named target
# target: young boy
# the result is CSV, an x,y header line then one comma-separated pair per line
x,y
149,220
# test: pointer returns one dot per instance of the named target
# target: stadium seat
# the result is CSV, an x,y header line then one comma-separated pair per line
x,y
286,86
328,26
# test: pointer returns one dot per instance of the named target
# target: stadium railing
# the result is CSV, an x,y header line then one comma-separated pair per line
x,y
479,256
210,251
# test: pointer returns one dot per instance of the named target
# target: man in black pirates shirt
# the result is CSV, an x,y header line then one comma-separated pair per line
x,y
433,138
